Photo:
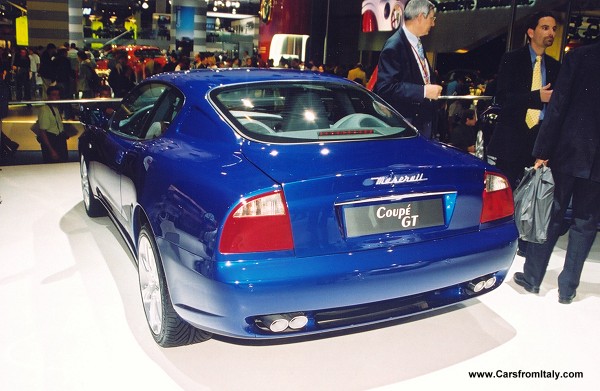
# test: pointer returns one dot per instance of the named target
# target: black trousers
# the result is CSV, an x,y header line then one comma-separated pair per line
x,y
585,196
23,85
59,144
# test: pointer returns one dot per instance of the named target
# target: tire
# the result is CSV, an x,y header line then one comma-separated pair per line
x,y
93,207
166,326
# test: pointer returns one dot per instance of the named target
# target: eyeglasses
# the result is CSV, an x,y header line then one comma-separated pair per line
x,y
428,17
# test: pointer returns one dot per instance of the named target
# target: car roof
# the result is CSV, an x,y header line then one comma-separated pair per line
x,y
203,80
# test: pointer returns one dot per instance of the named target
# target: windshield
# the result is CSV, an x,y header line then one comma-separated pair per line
x,y
289,112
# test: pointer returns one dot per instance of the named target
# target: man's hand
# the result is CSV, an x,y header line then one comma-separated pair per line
x,y
54,155
540,162
546,93
433,91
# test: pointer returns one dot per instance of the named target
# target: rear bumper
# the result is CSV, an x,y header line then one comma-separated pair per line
x,y
335,291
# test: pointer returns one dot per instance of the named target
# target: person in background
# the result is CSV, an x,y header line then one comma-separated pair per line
x,y
72,51
121,79
452,85
464,135
34,63
457,106
106,108
245,57
198,62
8,147
63,78
52,141
211,62
404,76
514,135
22,68
569,141
358,74
46,69
183,64
72,54
171,63
85,76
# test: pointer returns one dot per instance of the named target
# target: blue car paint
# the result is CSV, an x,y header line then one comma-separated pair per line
x,y
187,192
238,290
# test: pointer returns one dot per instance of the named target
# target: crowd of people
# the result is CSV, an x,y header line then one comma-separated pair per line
x,y
27,73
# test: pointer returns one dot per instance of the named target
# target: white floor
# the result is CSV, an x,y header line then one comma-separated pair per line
x,y
72,320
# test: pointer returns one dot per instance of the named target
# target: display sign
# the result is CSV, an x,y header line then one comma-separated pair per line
x,y
184,25
22,31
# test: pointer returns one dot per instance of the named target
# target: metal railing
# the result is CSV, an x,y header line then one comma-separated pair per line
x,y
16,128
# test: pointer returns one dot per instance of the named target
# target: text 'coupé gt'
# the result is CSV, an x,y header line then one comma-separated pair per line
x,y
276,203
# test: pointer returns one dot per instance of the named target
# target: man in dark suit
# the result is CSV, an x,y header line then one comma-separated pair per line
x,y
569,140
513,138
405,79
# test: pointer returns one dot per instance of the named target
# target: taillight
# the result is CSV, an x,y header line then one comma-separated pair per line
x,y
497,198
260,223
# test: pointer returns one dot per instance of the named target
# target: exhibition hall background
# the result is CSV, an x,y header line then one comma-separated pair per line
x,y
479,33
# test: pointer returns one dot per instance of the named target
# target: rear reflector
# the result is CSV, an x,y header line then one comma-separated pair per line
x,y
497,198
258,224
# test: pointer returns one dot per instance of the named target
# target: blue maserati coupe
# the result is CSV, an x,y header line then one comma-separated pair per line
x,y
276,203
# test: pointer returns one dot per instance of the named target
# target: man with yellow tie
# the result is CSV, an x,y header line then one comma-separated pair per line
x,y
525,80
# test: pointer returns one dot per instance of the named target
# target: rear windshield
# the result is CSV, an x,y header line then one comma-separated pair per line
x,y
291,112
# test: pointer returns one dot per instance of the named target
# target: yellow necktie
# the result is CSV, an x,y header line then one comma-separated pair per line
x,y
532,117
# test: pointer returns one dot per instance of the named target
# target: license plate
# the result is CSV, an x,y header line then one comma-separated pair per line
x,y
392,217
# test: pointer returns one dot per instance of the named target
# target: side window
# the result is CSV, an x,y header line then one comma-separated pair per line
x,y
132,116
166,110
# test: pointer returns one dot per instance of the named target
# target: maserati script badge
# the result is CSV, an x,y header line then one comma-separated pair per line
x,y
395,179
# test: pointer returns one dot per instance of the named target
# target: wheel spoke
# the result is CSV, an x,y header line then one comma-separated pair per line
x,y
150,284
85,184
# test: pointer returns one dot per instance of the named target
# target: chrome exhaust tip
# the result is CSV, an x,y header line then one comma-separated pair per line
x,y
490,282
477,286
298,321
275,323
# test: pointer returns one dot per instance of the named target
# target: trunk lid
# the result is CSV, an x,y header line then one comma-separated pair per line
x,y
352,196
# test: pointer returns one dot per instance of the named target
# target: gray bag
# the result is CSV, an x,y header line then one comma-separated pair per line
x,y
533,204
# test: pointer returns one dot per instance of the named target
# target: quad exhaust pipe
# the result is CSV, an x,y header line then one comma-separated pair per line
x,y
279,323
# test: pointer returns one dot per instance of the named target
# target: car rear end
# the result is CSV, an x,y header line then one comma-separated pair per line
x,y
365,220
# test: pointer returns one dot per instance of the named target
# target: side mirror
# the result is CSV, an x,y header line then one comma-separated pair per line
x,y
93,115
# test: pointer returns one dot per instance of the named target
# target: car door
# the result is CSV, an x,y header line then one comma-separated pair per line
x,y
124,147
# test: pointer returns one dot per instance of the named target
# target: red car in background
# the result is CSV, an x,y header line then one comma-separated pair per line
x,y
139,59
